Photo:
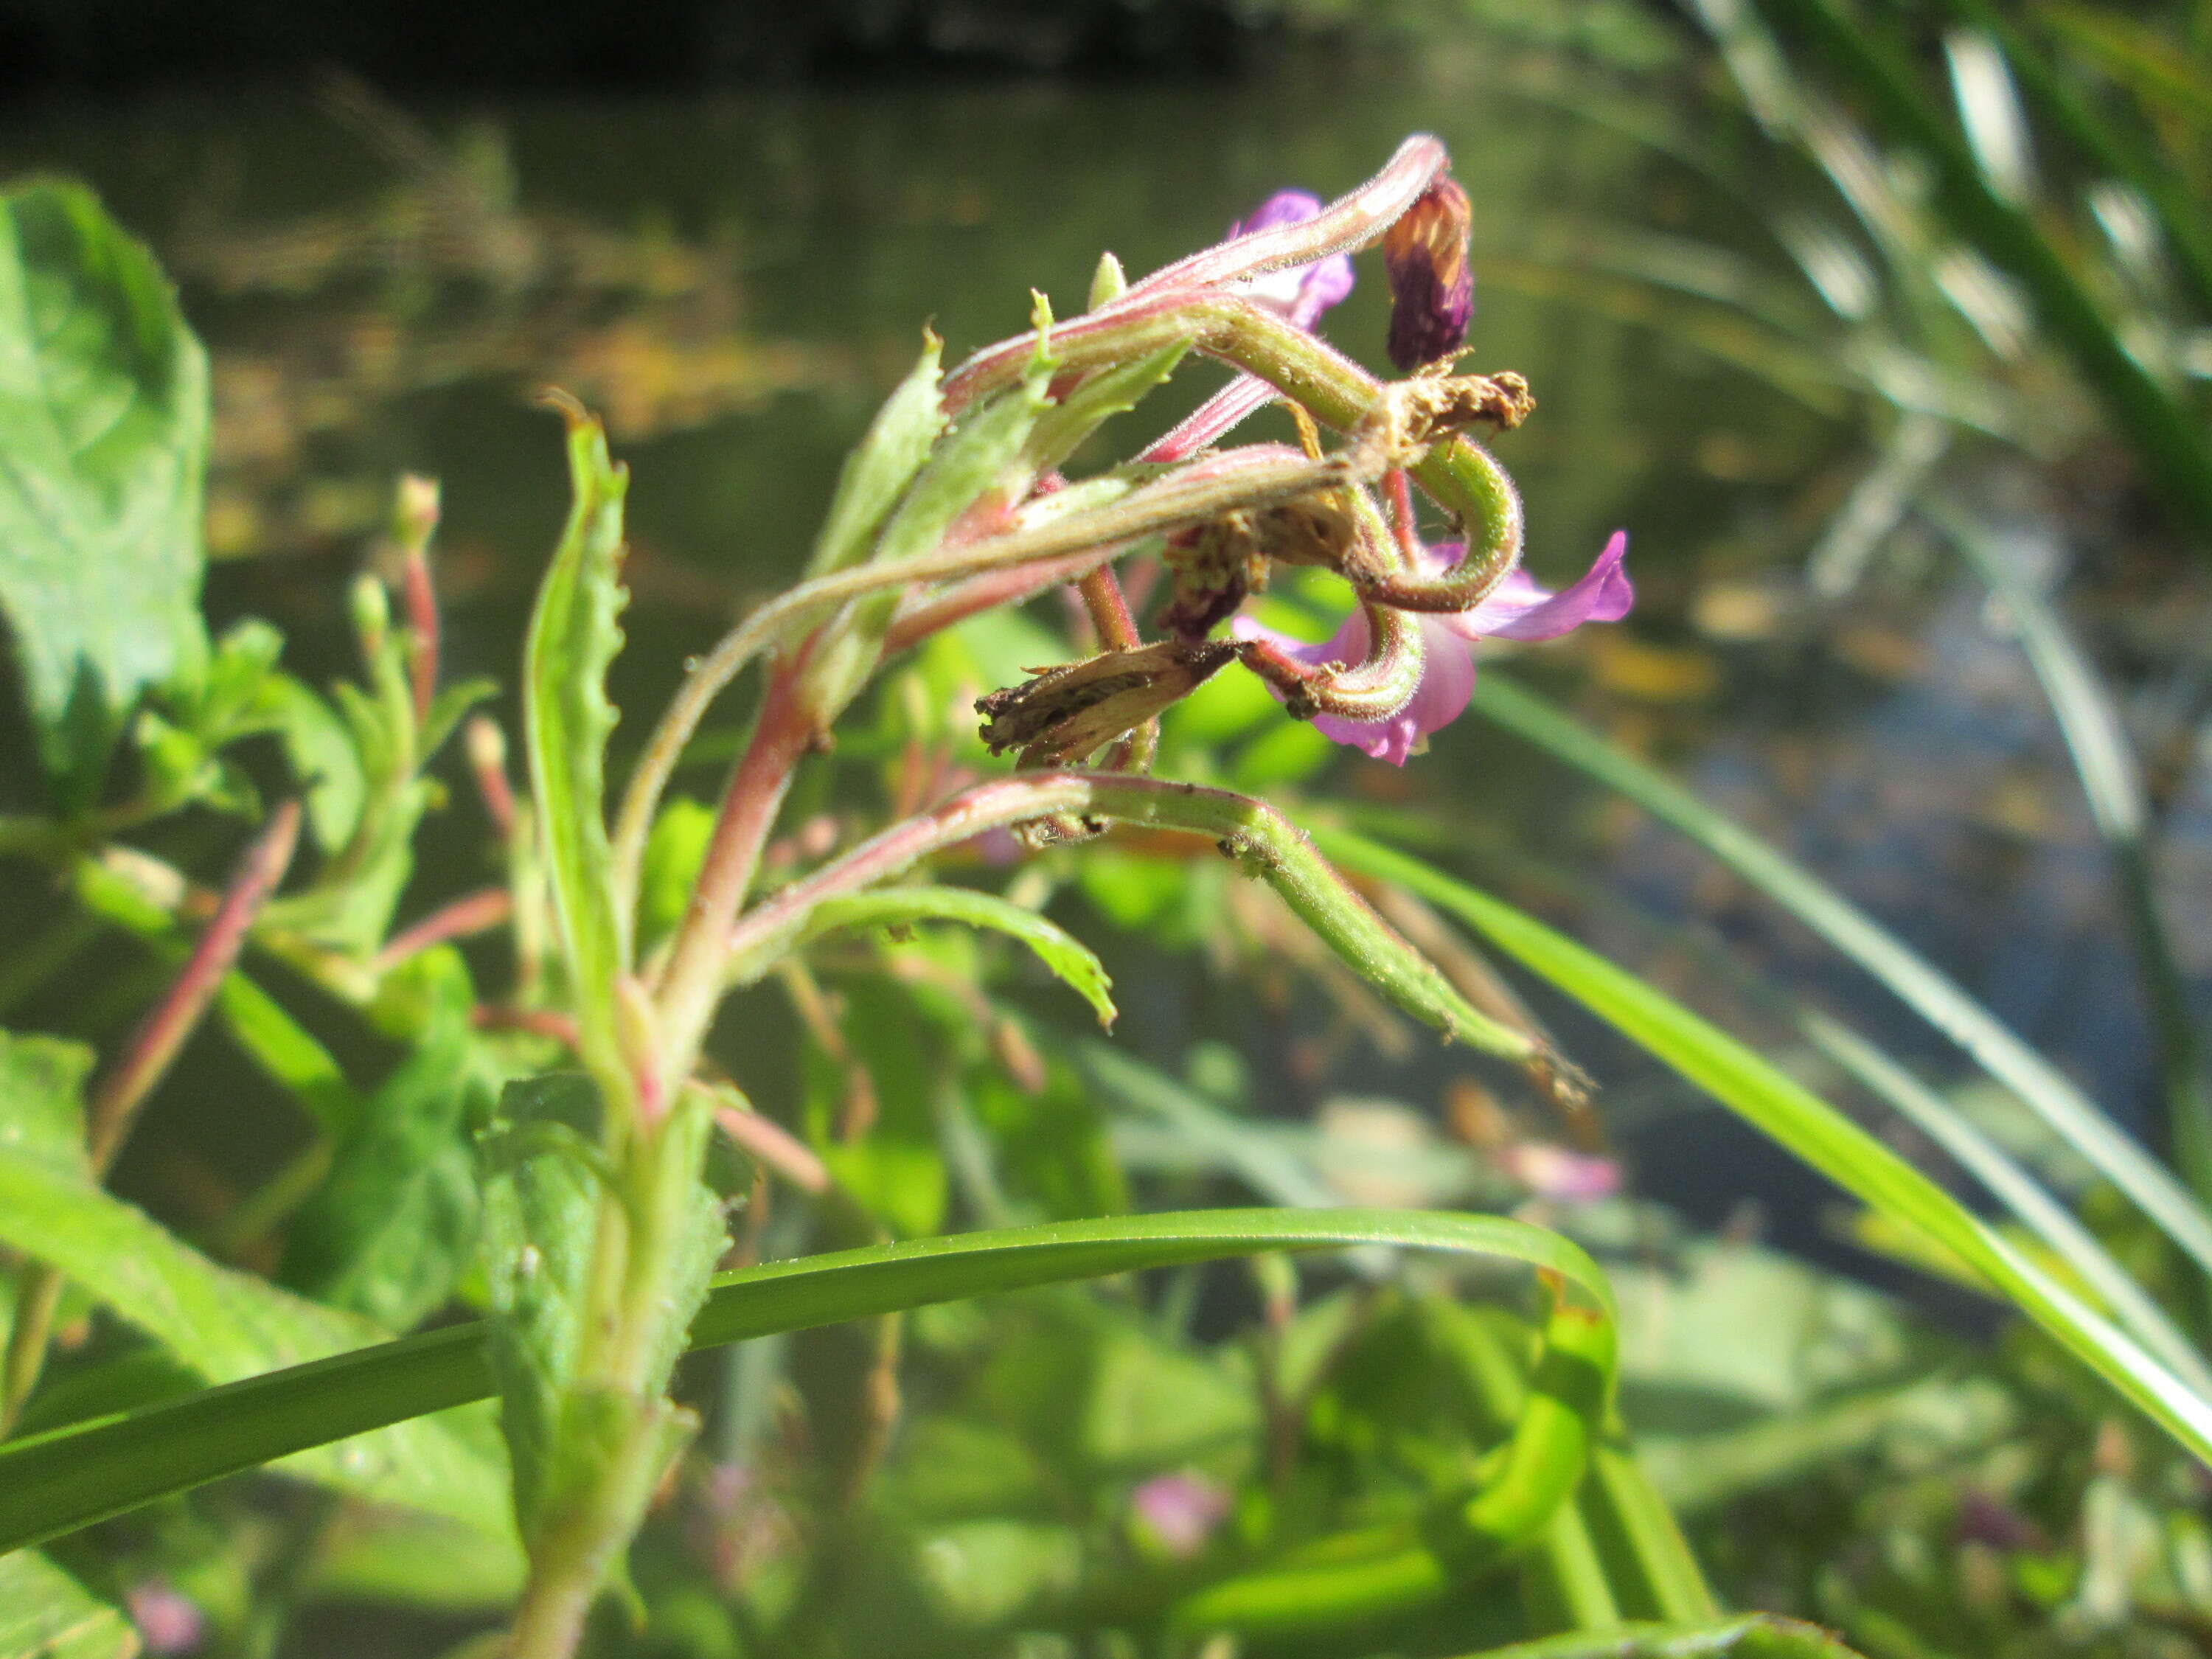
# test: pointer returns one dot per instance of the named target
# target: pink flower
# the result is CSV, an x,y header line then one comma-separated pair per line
x,y
1303,292
1517,609
1180,1511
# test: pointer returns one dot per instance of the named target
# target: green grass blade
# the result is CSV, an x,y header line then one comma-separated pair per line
x,y
1783,1108
2171,443
2013,1187
2114,150
1751,1636
53,1483
2112,782
1936,997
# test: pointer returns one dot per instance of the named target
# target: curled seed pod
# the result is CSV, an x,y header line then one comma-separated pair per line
x,y
1068,713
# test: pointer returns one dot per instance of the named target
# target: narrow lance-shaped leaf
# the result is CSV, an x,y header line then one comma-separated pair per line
x,y
575,635
1070,960
877,473
1809,1126
70,1477
104,400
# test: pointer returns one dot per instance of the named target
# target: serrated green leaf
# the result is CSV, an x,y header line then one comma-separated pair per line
x,y
104,400
575,635
47,1615
982,452
541,1177
898,442
1070,961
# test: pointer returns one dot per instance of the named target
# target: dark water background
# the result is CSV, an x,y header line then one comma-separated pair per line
x,y
736,279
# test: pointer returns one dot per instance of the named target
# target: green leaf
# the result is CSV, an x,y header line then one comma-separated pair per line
x,y
390,1230
574,634
1070,960
542,1176
1782,1108
898,442
72,1477
982,452
104,400
1747,1636
1062,429
224,1325
42,1101
674,853
324,757
47,1615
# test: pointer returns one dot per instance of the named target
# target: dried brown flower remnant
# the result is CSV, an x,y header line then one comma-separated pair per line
x,y
1415,413
1432,284
1218,565
1065,713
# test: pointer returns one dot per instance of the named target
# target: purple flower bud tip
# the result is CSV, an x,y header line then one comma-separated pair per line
x,y
1432,284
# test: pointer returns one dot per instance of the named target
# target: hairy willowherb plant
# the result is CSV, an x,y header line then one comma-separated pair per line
x,y
593,1099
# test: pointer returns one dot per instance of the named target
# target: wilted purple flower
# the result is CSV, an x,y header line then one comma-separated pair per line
x,y
1517,609
1180,1511
1301,292
1432,284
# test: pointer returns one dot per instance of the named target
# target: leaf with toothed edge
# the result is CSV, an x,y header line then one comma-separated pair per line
x,y
575,633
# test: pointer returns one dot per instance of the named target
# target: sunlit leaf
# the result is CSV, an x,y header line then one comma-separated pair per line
x,y
104,400
575,635
47,1615
1070,961
224,1325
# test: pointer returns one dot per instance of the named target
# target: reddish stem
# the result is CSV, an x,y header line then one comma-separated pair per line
x,y
115,1102
421,600
473,912
487,747
1108,608
692,982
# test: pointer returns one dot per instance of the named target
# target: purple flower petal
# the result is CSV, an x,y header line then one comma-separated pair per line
x,y
1284,207
1518,608
1447,683
1301,292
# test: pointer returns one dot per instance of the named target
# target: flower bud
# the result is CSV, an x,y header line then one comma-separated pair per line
x,y
1065,713
1432,284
